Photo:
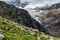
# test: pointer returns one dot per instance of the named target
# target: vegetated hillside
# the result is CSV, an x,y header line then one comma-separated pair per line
x,y
50,20
18,15
10,30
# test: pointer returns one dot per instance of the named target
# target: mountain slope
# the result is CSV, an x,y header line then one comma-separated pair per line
x,y
18,15
14,31
50,20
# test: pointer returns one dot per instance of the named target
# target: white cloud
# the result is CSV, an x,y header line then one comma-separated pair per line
x,y
35,3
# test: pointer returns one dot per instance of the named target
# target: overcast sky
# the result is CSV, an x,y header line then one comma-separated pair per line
x,y
34,3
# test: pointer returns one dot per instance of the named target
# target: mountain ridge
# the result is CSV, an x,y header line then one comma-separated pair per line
x,y
18,15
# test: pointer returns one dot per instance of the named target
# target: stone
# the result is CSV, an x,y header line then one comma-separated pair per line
x,y
51,38
38,38
33,33
1,37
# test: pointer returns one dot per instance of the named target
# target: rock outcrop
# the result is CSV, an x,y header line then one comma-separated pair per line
x,y
50,20
18,15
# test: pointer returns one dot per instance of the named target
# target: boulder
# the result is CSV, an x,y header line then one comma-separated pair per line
x,y
1,37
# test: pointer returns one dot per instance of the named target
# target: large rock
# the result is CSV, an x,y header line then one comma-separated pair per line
x,y
18,15
1,37
50,20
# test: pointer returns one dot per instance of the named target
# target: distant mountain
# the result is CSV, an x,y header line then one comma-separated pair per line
x,y
17,3
57,5
54,6
42,8
24,4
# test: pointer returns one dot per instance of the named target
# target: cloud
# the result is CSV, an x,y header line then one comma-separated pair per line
x,y
35,3
27,0
39,3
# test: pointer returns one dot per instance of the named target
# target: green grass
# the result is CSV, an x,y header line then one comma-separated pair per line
x,y
15,31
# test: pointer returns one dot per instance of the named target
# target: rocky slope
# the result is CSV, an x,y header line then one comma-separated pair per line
x,y
50,20
18,15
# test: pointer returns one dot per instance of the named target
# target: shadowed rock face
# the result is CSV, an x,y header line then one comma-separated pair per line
x,y
18,15
50,20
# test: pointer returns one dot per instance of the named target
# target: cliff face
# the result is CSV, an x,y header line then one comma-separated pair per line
x,y
51,21
18,15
